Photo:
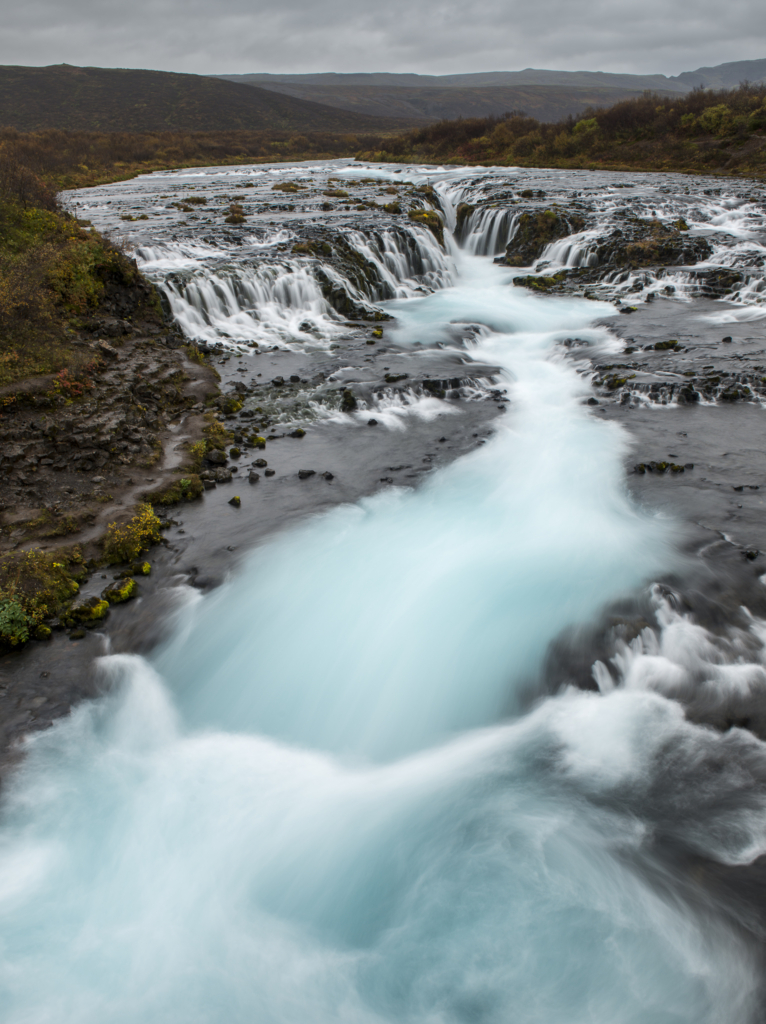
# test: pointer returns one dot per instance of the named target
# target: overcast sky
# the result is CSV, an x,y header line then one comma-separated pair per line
x,y
425,36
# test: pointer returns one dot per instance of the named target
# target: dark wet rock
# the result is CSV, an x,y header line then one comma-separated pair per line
x,y
348,402
270,472
236,501
216,457
260,463
372,422
328,476
535,230
234,453
650,243
253,477
298,432
304,474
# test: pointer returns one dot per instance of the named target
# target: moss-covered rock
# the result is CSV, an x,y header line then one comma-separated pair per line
x,y
120,590
89,611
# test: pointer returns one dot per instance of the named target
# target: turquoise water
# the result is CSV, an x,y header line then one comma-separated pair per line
x,y
333,797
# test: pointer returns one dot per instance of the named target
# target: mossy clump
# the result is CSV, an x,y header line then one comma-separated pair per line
x,y
393,208
187,488
35,585
258,442
236,501
377,332
216,434
120,590
234,453
288,186
92,609
338,193
196,200
141,568
664,346
124,543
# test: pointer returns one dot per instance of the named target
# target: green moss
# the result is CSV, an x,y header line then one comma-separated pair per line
x,y
141,568
663,346
93,609
120,590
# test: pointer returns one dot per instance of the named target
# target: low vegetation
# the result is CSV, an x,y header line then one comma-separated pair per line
x,y
125,542
701,132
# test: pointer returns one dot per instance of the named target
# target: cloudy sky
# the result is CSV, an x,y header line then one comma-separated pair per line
x,y
425,36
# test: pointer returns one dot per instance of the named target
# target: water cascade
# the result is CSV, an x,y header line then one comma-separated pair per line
x,y
339,792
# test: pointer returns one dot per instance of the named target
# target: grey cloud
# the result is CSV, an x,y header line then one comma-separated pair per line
x,y
657,36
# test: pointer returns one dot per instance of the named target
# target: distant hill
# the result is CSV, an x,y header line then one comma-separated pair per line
x,y
725,76
545,102
545,95
494,79
117,100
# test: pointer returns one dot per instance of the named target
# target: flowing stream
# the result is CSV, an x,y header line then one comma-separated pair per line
x,y
338,793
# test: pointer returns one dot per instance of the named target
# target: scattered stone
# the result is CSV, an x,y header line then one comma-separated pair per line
x,y
260,463
253,477
234,453
726,340
236,501
216,457
298,432
372,423
270,472
328,476
304,474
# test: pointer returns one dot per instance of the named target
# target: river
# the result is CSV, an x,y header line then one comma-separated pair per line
x,y
346,787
